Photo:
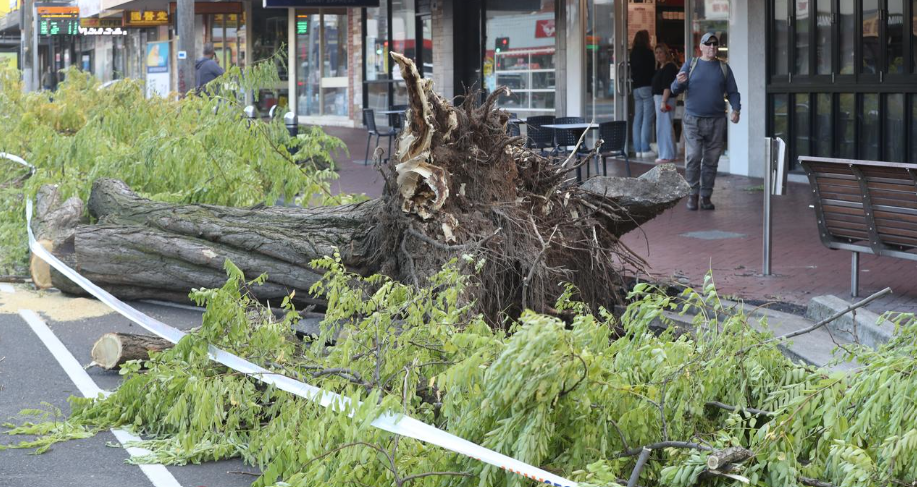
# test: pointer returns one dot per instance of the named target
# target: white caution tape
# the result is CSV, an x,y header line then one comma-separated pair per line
x,y
391,422
18,159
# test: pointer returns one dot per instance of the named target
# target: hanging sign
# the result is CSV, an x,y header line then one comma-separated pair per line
x,y
145,18
101,23
319,3
57,19
157,69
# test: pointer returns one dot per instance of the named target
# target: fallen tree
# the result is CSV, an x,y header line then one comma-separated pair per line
x,y
459,185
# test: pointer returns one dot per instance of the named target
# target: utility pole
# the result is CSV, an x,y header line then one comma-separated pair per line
x,y
185,24
26,27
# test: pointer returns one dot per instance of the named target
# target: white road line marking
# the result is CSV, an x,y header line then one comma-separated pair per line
x,y
158,474
7,288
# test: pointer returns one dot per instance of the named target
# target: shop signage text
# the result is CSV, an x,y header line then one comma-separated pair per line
x,y
103,23
102,31
145,18
319,3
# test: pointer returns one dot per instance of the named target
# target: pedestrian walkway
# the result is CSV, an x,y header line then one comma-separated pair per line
x,y
682,246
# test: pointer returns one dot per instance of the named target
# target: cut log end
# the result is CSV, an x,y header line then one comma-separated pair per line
x,y
734,454
114,349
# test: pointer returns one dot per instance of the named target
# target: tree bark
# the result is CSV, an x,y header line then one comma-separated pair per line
x,y
114,349
147,249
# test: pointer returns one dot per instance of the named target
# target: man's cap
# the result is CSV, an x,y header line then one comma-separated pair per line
x,y
707,37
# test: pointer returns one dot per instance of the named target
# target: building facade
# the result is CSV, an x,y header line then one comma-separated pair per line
x,y
831,77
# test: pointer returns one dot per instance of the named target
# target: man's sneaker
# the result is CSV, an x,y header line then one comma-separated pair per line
x,y
650,155
692,202
706,204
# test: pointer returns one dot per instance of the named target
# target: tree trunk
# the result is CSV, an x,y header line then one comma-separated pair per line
x,y
146,249
458,185
114,349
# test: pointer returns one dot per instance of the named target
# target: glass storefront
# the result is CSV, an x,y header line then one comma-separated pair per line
x,y
322,62
863,87
520,53
269,31
600,60
402,26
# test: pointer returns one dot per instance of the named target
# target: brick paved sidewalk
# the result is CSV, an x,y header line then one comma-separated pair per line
x,y
681,245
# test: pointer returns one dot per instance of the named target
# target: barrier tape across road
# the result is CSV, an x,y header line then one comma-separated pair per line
x,y
391,422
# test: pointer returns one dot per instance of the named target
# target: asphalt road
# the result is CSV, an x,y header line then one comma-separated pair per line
x,y
30,375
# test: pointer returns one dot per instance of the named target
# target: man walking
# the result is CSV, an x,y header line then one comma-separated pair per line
x,y
706,80
206,69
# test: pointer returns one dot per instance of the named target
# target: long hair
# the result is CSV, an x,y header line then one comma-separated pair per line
x,y
666,50
642,39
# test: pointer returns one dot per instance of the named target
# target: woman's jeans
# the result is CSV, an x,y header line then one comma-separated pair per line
x,y
644,113
665,134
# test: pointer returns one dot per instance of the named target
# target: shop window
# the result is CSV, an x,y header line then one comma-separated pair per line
x,y
870,45
376,43
914,36
895,33
846,126
913,135
801,125
823,126
847,36
894,128
781,122
823,41
600,64
321,55
269,37
781,38
802,36
520,53
869,127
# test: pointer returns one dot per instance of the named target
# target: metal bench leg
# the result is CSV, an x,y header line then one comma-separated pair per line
x,y
855,274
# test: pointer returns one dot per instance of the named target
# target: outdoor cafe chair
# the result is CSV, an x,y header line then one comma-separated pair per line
x,y
567,139
512,128
614,143
539,137
369,120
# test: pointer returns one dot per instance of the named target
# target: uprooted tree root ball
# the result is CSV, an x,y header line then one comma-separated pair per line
x,y
463,184
458,186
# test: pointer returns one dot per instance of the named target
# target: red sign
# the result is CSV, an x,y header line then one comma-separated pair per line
x,y
544,28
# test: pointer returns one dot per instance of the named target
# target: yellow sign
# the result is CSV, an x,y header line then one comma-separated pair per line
x,y
145,18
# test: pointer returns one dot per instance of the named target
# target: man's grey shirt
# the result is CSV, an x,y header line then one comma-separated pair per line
x,y
706,86
206,70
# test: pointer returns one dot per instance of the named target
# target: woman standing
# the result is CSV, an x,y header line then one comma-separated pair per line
x,y
665,103
642,68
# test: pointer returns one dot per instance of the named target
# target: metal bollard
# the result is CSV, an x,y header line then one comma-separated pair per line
x,y
290,120
251,112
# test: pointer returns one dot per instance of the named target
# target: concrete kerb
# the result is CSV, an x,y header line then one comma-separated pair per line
x,y
858,326
814,348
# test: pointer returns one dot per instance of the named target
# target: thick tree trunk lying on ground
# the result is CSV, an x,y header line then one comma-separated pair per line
x,y
459,185
113,349
146,249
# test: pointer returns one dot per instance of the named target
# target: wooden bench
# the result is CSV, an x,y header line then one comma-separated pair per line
x,y
865,206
